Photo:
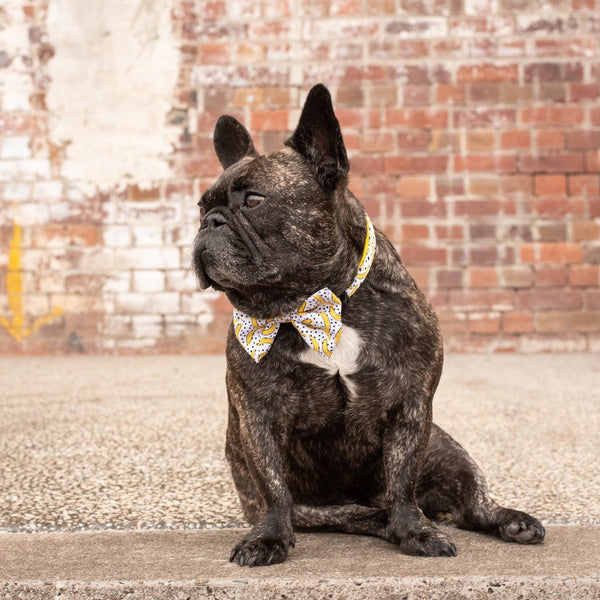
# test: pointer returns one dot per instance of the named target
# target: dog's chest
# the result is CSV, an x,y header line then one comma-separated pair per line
x,y
343,360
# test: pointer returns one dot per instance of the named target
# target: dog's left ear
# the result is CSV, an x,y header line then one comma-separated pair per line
x,y
319,139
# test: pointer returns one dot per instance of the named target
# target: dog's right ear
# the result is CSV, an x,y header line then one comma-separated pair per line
x,y
232,141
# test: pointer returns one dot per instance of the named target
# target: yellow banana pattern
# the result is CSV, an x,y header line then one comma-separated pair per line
x,y
318,320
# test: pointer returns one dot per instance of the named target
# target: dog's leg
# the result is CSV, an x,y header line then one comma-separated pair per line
x,y
451,482
404,443
256,462
347,518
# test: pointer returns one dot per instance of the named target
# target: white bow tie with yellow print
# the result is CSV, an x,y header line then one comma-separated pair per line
x,y
318,320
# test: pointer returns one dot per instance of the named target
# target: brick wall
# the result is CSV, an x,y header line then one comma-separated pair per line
x,y
473,128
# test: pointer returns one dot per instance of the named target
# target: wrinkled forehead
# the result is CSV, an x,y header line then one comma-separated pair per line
x,y
272,171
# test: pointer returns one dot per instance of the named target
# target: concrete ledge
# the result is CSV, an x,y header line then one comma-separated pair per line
x,y
184,564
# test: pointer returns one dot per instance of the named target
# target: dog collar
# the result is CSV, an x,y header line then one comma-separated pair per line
x,y
318,320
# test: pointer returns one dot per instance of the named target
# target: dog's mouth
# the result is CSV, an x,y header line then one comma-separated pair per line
x,y
228,260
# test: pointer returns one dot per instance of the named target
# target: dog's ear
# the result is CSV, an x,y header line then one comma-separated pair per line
x,y
232,141
319,139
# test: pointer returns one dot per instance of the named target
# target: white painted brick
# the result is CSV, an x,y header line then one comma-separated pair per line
x,y
52,282
147,326
181,281
48,190
148,281
32,213
147,235
60,211
26,169
15,100
138,303
116,325
35,304
117,282
148,258
116,236
17,192
136,344
179,325
97,259
16,147
198,303
77,304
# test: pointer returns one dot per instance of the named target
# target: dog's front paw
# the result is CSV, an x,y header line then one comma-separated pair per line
x,y
517,526
418,536
427,541
266,544
259,551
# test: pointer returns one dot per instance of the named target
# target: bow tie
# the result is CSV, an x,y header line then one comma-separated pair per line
x,y
318,320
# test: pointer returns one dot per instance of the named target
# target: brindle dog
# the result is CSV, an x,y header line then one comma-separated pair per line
x,y
343,443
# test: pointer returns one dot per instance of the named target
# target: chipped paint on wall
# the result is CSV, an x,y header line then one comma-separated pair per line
x,y
112,81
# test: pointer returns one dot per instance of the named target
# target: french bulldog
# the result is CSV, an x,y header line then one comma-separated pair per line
x,y
333,358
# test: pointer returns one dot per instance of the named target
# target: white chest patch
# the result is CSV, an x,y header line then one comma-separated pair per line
x,y
343,360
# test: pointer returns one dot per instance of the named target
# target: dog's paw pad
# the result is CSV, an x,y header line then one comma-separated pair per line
x,y
521,528
259,552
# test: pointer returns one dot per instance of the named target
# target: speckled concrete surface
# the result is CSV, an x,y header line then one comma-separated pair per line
x,y
93,442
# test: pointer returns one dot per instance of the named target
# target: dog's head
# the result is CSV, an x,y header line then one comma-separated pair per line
x,y
273,228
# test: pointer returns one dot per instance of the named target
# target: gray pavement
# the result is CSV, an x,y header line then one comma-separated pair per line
x,y
94,444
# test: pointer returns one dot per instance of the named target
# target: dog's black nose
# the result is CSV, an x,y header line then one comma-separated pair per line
x,y
214,220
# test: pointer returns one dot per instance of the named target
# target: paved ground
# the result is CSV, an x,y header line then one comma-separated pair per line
x,y
90,444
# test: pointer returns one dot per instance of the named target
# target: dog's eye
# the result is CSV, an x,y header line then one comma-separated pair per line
x,y
253,200
202,210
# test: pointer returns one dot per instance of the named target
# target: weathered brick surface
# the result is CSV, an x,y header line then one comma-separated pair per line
x,y
473,134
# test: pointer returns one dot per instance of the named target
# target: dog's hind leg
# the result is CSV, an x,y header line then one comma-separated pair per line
x,y
346,518
451,482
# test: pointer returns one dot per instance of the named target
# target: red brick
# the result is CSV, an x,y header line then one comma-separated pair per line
x,y
488,322
512,184
377,141
563,162
484,186
450,94
558,207
578,140
449,278
550,185
550,299
413,140
412,232
415,164
584,321
414,185
274,120
515,138
423,255
580,92
584,185
592,299
584,275
416,117
550,276
482,300
517,322
561,253
482,277
422,208
486,162
550,322
488,72
585,231
553,115
480,140
550,138
449,232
